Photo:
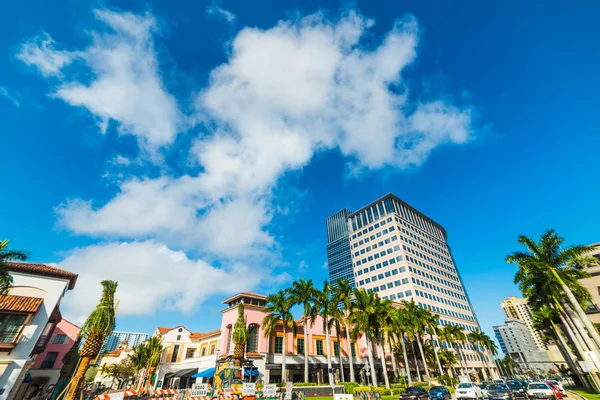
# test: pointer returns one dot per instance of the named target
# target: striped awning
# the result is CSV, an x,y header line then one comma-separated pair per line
x,y
20,304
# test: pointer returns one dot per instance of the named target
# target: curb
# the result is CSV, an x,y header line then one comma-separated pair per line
x,y
576,395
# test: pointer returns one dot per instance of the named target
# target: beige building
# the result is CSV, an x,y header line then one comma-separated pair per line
x,y
111,358
593,285
401,254
518,308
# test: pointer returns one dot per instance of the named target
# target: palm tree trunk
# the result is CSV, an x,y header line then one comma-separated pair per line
x,y
578,342
283,351
351,361
460,356
586,322
416,363
383,364
342,377
371,361
453,366
483,371
437,359
406,364
327,338
418,335
577,322
77,379
569,356
151,371
394,366
305,349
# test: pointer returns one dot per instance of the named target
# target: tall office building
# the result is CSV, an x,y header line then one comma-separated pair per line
x,y
113,341
517,342
516,308
401,254
339,258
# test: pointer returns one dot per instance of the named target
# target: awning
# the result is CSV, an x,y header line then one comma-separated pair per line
x,y
207,373
254,372
185,372
24,304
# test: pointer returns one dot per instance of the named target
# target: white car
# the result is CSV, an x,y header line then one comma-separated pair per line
x,y
468,391
540,390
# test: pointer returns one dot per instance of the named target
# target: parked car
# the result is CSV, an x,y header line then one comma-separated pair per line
x,y
415,393
556,383
557,391
540,390
500,391
440,392
468,390
517,389
484,389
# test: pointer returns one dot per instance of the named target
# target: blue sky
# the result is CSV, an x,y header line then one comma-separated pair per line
x,y
189,150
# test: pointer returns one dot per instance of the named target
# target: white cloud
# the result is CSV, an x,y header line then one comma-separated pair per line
x,y
126,85
285,93
41,53
215,9
8,96
151,277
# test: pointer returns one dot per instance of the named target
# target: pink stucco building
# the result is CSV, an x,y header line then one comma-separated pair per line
x,y
47,364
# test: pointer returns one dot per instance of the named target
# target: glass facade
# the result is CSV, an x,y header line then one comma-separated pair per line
x,y
132,338
339,258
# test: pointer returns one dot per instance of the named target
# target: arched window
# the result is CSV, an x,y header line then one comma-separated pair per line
x,y
252,345
229,333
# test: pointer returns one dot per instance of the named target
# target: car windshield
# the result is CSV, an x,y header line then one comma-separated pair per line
x,y
498,387
437,389
538,386
414,389
514,385
465,385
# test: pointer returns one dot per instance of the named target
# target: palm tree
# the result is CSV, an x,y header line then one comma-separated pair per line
x,y
6,256
447,359
154,349
481,340
447,334
336,320
343,296
95,330
323,304
431,321
278,311
303,293
547,259
399,324
361,317
382,311
418,322
240,337
139,359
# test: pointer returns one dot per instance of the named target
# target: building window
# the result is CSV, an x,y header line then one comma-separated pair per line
x,y
189,353
49,360
212,349
229,332
319,347
300,346
353,349
336,349
278,345
174,355
10,326
60,339
178,337
203,351
252,345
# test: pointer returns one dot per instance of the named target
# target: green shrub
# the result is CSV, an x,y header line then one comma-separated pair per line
x,y
369,389
349,386
305,384
447,380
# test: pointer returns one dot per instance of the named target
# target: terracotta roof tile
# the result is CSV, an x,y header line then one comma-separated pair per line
x,y
162,329
200,335
44,270
20,303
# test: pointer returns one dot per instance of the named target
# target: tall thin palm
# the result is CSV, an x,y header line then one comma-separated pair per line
x,y
278,312
324,304
361,317
447,335
343,297
336,321
400,326
154,349
418,322
139,359
303,293
95,330
481,340
7,255
549,257
431,321
380,320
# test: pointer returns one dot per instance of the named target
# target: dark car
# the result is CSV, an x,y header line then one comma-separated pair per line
x,y
415,393
517,389
499,391
440,392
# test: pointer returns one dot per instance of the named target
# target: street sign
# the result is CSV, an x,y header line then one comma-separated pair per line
x,y
227,392
270,390
199,390
248,388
